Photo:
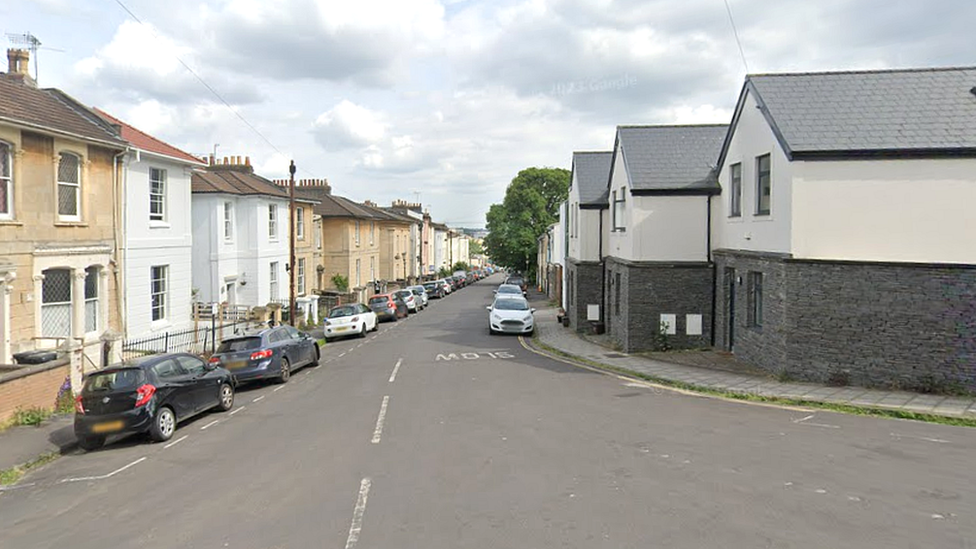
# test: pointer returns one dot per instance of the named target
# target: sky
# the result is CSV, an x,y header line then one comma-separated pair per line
x,y
445,101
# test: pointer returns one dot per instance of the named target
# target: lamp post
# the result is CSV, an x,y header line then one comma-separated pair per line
x,y
291,240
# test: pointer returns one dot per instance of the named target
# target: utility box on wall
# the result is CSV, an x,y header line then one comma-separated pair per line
x,y
593,313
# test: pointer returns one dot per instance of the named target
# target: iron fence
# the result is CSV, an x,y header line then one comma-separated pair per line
x,y
197,341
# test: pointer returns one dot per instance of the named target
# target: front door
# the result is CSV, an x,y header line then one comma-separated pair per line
x,y
730,309
231,293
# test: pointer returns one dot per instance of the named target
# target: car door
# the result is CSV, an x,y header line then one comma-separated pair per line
x,y
298,345
175,387
204,381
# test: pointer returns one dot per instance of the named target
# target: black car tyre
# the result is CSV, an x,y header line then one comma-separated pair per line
x,y
285,374
163,425
362,332
226,397
318,355
89,444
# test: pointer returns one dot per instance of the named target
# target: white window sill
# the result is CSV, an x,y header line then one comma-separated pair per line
x,y
69,223
11,222
162,324
159,225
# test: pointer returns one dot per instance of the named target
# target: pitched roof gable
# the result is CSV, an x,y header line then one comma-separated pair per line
x,y
54,111
592,171
906,112
670,159
148,143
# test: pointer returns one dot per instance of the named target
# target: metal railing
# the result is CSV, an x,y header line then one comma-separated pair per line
x,y
197,341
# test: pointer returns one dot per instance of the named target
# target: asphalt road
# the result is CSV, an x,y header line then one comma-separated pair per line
x,y
432,434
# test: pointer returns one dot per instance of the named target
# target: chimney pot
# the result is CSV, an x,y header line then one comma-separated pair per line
x,y
247,160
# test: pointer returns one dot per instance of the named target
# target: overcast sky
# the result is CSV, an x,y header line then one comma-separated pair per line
x,y
446,100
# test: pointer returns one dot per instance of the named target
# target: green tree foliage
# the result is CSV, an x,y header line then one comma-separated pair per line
x,y
530,206
475,248
459,266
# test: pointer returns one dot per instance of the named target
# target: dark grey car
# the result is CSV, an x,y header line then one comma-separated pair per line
x,y
271,353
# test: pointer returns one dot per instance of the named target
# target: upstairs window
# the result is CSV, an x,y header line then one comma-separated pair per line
x,y
157,194
372,232
735,182
318,236
763,185
6,181
357,232
228,221
273,221
300,223
619,203
69,187
91,299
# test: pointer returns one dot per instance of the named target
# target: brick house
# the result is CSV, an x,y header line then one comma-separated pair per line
x,y
844,237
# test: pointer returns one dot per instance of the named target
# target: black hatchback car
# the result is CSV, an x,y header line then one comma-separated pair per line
x,y
270,353
151,395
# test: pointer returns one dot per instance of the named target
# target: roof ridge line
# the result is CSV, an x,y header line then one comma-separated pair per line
x,y
863,71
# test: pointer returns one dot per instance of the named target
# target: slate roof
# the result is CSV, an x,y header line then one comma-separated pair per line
x,y
670,158
870,111
336,206
148,143
592,171
54,111
235,180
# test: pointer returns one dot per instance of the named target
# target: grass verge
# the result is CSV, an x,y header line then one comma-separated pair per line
x,y
752,397
13,474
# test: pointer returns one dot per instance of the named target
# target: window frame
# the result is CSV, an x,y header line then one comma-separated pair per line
x,y
272,222
735,195
357,233
161,194
76,185
300,223
163,294
300,276
69,304
764,181
7,181
619,205
273,280
228,221
92,301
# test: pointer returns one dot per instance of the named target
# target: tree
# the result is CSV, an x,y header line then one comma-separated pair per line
x,y
531,203
459,266
475,248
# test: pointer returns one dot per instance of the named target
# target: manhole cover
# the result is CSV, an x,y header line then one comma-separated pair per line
x,y
614,355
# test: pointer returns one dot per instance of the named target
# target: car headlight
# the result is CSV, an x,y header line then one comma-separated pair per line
x,y
528,318
495,317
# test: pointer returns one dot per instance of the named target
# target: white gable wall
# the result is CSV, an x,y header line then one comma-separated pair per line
x,y
886,210
770,233
619,243
666,228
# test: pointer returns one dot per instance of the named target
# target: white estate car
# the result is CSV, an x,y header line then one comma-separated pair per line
x,y
352,319
510,315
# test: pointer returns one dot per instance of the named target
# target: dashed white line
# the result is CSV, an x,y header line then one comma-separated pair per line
x,y
927,439
177,441
238,410
395,370
259,398
342,355
379,421
357,515
211,424
278,388
801,420
103,477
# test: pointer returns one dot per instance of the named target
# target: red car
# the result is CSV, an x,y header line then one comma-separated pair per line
x,y
388,307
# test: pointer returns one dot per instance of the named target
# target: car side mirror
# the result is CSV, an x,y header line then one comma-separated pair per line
x,y
488,307
531,310
494,291
210,366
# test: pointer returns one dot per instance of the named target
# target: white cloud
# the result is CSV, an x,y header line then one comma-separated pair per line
x,y
349,125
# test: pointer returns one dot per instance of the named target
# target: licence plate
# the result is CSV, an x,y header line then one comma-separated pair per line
x,y
108,426
236,365
340,328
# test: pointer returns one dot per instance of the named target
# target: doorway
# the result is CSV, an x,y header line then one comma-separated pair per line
x,y
729,280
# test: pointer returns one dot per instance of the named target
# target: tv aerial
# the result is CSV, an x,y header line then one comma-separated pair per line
x,y
32,43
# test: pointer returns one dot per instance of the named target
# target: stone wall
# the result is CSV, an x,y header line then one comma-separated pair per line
x,y
639,293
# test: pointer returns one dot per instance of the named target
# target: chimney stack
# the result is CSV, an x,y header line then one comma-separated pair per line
x,y
19,66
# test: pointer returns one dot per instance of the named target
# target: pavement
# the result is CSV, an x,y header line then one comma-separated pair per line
x,y
721,372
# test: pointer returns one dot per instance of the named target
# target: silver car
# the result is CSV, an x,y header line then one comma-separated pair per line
x,y
510,315
420,292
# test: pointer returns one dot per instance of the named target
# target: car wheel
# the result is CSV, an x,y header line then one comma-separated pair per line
x,y
89,444
362,332
285,374
318,354
163,425
226,397
491,331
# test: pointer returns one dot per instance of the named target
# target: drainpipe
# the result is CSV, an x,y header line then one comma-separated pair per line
x,y
603,277
118,176
708,252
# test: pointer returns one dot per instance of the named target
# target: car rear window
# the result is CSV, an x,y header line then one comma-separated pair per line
x,y
378,300
343,311
116,380
241,344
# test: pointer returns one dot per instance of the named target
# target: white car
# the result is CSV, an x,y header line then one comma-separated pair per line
x,y
420,292
509,290
510,315
412,301
347,320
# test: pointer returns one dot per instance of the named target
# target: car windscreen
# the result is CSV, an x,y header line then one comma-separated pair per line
x,y
241,344
342,311
405,294
115,380
511,305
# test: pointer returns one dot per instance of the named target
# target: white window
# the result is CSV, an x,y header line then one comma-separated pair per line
x,y
6,181
735,181
359,278
91,299
763,185
69,187
56,303
619,201
273,277
357,232
228,221
372,268
159,276
157,194
318,235
300,283
300,223
273,221
372,232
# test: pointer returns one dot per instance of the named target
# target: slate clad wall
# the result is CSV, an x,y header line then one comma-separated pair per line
x,y
585,279
648,290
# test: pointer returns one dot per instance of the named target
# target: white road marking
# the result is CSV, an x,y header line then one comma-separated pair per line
x,y
17,487
801,420
278,388
379,421
357,515
342,355
103,477
395,370
259,398
177,441
825,425
211,424
927,439
820,491
238,410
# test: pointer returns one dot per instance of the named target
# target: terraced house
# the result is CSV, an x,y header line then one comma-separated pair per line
x,y
60,223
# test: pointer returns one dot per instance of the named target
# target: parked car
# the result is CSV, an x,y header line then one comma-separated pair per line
x,y
445,285
347,320
413,304
151,394
388,307
270,353
434,290
421,293
509,290
510,315
517,280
